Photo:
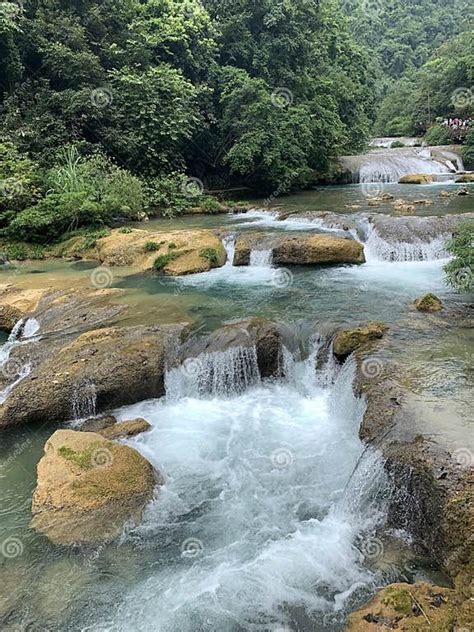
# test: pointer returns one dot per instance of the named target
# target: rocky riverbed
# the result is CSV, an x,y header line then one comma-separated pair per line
x,y
167,433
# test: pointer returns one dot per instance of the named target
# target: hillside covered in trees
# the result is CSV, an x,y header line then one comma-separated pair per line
x,y
121,106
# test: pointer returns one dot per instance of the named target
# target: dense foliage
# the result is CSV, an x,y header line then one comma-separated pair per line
x,y
443,87
460,270
262,94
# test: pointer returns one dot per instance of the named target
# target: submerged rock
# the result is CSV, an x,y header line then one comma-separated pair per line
x,y
411,607
416,178
349,340
88,488
124,429
101,370
428,303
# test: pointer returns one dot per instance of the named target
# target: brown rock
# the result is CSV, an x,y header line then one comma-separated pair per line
x,y
105,368
125,429
410,607
428,303
416,178
180,251
347,341
16,303
465,177
318,249
89,488
96,424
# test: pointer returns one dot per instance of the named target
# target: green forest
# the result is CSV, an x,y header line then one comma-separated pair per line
x,y
115,108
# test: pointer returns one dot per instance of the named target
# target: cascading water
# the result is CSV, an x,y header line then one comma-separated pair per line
x,y
84,402
389,165
214,373
378,249
229,247
261,258
22,333
253,529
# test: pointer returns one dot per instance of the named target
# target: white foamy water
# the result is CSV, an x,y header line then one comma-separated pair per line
x,y
378,249
262,258
256,525
22,333
270,220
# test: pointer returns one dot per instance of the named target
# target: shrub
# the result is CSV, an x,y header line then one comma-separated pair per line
x,y
151,246
53,216
468,150
171,195
115,189
210,254
20,182
396,144
210,205
126,230
163,260
460,270
171,245
437,135
20,251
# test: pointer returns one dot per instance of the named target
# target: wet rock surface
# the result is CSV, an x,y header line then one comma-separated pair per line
x,y
303,249
101,370
88,488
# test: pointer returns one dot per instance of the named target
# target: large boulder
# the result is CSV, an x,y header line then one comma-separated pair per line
x,y
100,370
346,341
416,178
89,488
413,607
266,336
61,316
17,303
174,253
308,249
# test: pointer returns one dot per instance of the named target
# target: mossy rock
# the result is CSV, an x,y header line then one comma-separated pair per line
x,y
416,178
89,488
347,341
124,429
428,303
411,607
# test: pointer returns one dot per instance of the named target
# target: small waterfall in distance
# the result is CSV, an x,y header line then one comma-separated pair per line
x,y
389,165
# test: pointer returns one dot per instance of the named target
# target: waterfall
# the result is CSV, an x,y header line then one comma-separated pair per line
x,y
84,400
378,249
389,165
218,373
262,528
229,246
22,333
261,258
